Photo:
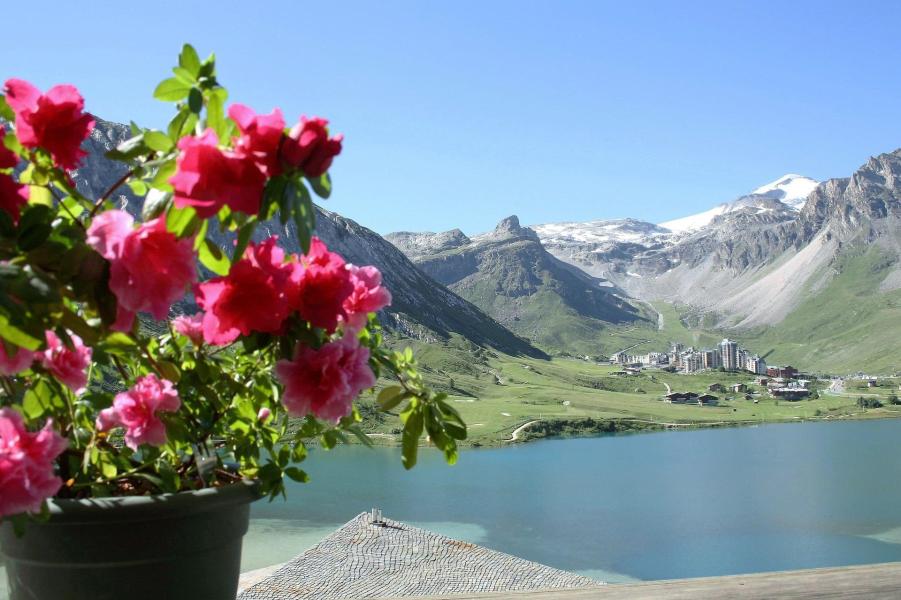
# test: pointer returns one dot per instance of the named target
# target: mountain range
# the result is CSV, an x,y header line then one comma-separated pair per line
x,y
798,270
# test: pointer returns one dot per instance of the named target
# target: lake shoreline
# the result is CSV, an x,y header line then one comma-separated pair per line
x,y
588,427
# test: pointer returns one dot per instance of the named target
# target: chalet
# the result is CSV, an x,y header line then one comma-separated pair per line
x,y
708,400
790,393
738,388
716,387
762,380
680,397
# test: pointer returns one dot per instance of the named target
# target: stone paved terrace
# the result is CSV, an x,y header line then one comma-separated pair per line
x,y
367,560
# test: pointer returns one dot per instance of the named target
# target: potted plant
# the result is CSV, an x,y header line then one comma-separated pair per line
x,y
132,440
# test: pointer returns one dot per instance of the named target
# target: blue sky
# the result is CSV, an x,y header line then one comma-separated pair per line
x,y
457,114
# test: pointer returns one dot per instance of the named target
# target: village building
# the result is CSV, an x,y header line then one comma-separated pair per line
x,y
786,372
790,393
708,400
681,397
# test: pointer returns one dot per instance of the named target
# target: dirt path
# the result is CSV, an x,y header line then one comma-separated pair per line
x,y
515,435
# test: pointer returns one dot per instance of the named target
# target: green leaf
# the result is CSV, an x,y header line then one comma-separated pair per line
x,y
40,195
5,111
118,343
159,141
195,100
215,111
169,371
303,213
37,400
297,474
243,238
182,221
212,257
410,439
171,90
165,172
184,75
73,206
138,187
17,336
390,397
155,204
189,60
129,149
321,185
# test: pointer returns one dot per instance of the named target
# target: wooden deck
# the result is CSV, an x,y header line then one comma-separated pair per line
x,y
874,582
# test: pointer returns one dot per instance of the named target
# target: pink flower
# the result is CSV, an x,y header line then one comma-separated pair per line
x,y
20,360
252,297
150,267
368,296
309,148
26,464
54,121
8,158
264,415
191,327
208,178
68,365
260,136
321,286
13,196
325,382
136,410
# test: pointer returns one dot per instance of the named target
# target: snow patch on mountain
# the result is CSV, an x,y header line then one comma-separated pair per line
x,y
599,232
791,189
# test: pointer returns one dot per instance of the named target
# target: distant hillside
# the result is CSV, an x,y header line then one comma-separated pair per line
x,y
508,274
815,281
421,308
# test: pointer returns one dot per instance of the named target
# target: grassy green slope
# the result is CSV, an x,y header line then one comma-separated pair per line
x,y
848,326
497,393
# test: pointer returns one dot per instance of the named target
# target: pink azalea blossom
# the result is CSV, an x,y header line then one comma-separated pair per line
x,y
325,382
322,284
368,296
264,415
54,121
20,360
136,410
68,365
27,477
308,146
150,267
190,326
261,136
209,178
252,297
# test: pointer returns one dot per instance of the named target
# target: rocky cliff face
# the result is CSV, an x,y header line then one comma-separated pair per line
x,y
509,274
421,307
751,261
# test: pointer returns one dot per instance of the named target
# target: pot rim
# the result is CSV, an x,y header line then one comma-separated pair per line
x,y
158,505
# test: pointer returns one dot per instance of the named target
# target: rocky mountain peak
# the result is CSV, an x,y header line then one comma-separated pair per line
x,y
510,227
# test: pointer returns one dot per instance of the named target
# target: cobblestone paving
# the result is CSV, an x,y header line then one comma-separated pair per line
x,y
366,560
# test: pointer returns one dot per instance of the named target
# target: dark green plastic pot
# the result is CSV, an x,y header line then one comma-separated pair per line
x,y
167,547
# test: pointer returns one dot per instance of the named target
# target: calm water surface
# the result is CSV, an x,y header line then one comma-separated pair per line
x,y
649,506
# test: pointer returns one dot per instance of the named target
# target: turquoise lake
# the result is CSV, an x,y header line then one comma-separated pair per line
x,y
644,506
618,508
